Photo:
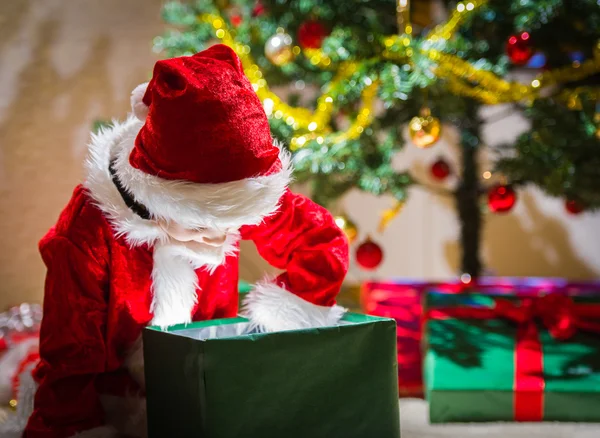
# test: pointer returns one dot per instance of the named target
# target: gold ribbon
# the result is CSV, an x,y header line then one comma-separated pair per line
x,y
462,77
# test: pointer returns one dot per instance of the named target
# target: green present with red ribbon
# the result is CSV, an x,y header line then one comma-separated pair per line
x,y
512,358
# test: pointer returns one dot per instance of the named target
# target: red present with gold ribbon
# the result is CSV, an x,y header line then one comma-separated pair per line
x,y
501,358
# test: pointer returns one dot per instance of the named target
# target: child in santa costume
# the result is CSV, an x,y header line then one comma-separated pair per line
x,y
151,238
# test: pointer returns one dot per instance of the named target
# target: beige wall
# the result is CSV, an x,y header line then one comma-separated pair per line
x,y
65,63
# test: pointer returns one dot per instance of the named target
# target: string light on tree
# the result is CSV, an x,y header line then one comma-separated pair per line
x,y
518,48
440,169
574,207
424,129
403,17
347,226
279,50
501,198
369,255
466,279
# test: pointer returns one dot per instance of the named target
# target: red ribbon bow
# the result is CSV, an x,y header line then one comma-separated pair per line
x,y
558,313
555,312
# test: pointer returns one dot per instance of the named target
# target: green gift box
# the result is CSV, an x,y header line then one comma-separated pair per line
x,y
512,359
222,379
244,287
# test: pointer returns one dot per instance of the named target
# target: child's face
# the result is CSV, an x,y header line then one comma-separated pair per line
x,y
207,236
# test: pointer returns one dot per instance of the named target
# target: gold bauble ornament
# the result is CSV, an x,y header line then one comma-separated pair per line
x,y
279,49
425,130
347,226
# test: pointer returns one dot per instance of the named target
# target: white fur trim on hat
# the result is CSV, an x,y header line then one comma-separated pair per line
x,y
271,308
139,108
225,205
222,205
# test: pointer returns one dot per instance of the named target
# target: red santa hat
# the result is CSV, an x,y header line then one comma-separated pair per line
x,y
205,155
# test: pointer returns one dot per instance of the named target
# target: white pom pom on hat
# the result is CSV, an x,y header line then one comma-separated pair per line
x,y
139,108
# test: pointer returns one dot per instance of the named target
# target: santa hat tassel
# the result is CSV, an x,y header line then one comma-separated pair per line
x,y
139,108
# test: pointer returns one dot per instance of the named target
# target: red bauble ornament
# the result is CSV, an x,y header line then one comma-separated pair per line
x,y
368,254
574,207
501,198
236,20
440,169
311,34
519,49
258,10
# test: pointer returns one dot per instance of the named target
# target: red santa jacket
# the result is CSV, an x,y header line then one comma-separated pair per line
x,y
103,287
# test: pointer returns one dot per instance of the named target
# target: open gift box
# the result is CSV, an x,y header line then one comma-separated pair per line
x,y
223,379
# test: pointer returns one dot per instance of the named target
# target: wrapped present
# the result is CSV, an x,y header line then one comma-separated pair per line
x,y
502,358
223,379
538,285
402,302
244,287
401,299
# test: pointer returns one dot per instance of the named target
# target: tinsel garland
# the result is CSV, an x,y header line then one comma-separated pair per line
x,y
461,77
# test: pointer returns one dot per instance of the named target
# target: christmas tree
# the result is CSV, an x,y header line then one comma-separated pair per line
x,y
357,73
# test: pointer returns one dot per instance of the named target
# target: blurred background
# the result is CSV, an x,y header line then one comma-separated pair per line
x,y
65,65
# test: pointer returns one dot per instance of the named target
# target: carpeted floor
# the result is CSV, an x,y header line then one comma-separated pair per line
x,y
414,424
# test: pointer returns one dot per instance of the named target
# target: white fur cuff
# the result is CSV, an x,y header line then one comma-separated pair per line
x,y
272,308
